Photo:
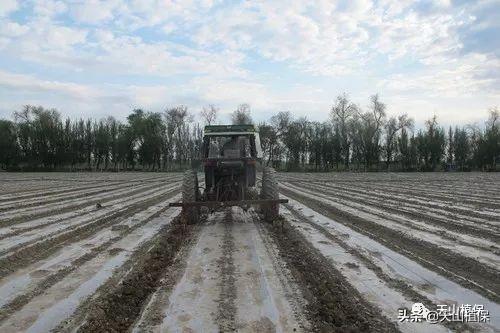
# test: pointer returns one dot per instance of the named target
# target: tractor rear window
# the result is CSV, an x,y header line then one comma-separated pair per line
x,y
229,147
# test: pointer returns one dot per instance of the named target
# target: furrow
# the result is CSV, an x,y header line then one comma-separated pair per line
x,y
466,271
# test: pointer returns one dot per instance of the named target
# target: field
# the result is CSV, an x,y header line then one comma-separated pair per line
x,y
104,252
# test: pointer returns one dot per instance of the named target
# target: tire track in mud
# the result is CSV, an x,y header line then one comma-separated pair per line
x,y
151,316
232,282
293,293
226,308
267,299
192,302
40,250
464,271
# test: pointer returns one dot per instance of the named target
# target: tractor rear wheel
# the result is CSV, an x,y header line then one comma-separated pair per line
x,y
190,194
269,190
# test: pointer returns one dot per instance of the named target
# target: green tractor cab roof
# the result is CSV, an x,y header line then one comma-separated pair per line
x,y
230,129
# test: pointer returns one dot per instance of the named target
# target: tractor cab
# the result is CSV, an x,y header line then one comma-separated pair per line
x,y
231,142
230,154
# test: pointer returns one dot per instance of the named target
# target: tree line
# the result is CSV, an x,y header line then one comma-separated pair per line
x,y
38,139
351,139
369,140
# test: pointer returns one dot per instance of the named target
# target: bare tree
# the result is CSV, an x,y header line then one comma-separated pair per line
x,y
492,138
431,145
281,121
462,147
268,141
242,115
494,118
378,110
177,131
367,130
209,114
342,113
295,139
392,127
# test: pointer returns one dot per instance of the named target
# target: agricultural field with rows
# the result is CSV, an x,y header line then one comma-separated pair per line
x,y
104,251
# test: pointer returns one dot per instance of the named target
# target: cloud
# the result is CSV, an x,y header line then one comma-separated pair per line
x,y
8,6
13,29
73,99
429,39
324,39
271,54
136,14
28,82
49,8
475,75
133,55
329,39
98,50
229,93
119,99
295,33
94,11
100,100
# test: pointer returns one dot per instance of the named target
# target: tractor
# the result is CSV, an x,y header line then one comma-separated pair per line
x,y
230,155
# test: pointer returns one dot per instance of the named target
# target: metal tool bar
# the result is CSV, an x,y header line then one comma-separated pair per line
x,y
227,203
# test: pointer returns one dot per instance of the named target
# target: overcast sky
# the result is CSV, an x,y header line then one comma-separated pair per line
x,y
107,57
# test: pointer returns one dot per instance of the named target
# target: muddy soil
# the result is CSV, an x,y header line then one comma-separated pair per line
x,y
37,251
115,310
333,304
226,311
447,219
465,271
394,283
233,280
134,266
